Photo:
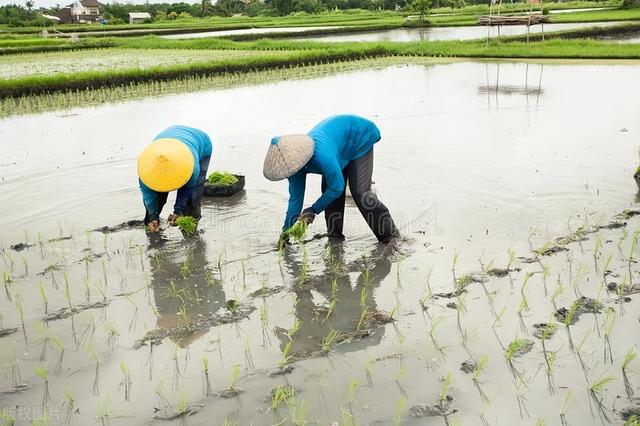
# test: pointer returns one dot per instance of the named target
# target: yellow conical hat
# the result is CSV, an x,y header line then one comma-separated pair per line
x,y
165,165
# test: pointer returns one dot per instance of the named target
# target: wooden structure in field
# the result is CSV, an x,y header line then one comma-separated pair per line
x,y
529,18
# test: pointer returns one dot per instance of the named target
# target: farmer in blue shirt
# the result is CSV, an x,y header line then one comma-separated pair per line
x,y
340,148
176,160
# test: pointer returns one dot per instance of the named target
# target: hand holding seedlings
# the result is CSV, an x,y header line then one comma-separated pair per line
x,y
154,226
172,219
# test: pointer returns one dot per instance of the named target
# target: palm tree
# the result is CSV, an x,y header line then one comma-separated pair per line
x,y
29,4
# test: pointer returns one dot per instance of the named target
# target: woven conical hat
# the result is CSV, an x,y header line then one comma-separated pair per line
x,y
286,155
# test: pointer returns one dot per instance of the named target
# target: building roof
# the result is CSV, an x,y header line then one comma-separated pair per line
x,y
64,14
88,3
139,15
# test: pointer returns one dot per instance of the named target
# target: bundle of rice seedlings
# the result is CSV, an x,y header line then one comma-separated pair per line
x,y
222,178
187,224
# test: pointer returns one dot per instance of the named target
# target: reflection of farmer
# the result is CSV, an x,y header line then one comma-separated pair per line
x,y
177,159
315,320
340,148
182,290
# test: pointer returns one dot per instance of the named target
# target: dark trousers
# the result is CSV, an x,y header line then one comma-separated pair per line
x,y
358,173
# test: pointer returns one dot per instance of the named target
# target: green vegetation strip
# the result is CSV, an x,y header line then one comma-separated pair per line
x,y
295,54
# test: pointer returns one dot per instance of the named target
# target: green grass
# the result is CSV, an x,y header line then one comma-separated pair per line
x,y
222,178
598,16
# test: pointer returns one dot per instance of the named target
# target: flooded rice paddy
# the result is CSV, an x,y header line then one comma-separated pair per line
x,y
451,33
480,315
243,31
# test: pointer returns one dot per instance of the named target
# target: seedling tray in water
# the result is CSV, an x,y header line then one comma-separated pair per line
x,y
224,190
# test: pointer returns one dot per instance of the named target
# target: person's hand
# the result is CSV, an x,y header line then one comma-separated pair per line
x,y
172,218
307,215
153,226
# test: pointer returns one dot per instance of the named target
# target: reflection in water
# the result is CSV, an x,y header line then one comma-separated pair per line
x,y
526,89
184,288
315,313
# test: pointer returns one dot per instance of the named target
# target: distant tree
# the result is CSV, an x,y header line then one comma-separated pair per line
x,y
421,7
29,4
160,16
282,7
205,5
628,4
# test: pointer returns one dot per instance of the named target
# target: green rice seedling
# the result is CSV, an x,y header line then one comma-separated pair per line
x,y
235,374
454,261
206,382
444,390
20,307
248,358
87,289
367,369
398,280
363,316
568,321
7,280
280,394
91,351
435,323
609,322
304,267
557,293
185,269
26,266
112,336
427,296
43,372
56,343
68,404
297,231
43,295
285,357
397,420
329,342
175,383
351,393
568,402
222,178
479,368
6,419
187,224
334,287
298,411
460,309
596,390
629,357
126,381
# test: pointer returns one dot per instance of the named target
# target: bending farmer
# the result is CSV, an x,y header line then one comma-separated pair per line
x,y
177,159
340,148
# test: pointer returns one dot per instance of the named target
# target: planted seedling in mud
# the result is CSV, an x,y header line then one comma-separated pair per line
x,y
569,320
461,308
7,280
43,372
444,390
550,357
330,341
206,382
68,404
298,411
56,343
524,302
175,383
609,322
596,390
628,359
477,371
435,323
187,224
248,358
112,336
90,349
43,294
516,348
235,375
280,394
87,289
20,308
126,381
454,261
399,410
427,297
568,402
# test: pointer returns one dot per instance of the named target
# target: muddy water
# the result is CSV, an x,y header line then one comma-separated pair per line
x,y
476,159
450,33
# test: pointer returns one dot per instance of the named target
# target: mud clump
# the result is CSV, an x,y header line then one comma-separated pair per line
x,y
266,292
615,288
285,389
544,330
73,310
182,332
130,224
229,392
548,251
441,409
469,366
281,371
501,272
4,332
632,411
187,411
468,279
581,306
20,246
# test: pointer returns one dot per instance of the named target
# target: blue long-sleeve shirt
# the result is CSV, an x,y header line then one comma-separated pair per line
x,y
338,140
200,146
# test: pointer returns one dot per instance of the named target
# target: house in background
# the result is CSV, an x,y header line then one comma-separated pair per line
x,y
138,17
81,12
